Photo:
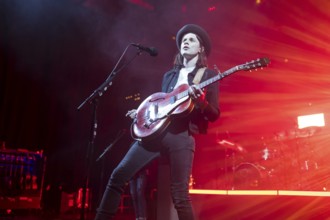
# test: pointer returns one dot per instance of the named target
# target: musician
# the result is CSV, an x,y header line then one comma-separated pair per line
x,y
177,141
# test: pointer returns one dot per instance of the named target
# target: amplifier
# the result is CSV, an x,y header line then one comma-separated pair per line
x,y
21,178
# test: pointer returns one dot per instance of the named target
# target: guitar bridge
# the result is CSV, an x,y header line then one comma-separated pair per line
x,y
147,125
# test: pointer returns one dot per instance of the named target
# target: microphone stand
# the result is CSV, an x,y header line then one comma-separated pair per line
x,y
93,99
120,135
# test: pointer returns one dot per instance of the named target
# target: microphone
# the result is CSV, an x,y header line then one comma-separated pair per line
x,y
151,50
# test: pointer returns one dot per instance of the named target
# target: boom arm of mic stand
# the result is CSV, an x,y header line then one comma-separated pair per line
x,y
98,92
108,82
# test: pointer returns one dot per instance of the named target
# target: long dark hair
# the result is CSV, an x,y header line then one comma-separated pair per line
x,y
202,58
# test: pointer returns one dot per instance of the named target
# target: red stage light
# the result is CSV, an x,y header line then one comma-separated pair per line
x,y
211,8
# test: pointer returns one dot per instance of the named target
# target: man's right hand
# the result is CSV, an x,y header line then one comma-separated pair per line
x,y
131,113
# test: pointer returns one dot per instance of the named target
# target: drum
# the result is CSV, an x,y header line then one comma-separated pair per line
x,y
268,154
248,176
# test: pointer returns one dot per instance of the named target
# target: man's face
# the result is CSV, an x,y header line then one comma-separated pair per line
x,y
190,45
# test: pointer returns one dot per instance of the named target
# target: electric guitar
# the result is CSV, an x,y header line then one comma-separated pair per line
x,y
156,112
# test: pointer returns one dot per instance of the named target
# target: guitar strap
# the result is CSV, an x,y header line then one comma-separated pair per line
x,y
199,75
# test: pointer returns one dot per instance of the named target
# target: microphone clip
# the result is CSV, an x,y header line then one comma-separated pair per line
x,y
151,50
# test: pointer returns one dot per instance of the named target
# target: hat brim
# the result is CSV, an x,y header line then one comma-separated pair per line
x,y
199,31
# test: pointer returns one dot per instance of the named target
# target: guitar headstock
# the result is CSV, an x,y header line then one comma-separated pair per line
x,y
255,64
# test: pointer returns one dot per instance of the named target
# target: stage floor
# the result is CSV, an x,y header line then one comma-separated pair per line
x,y
220,205
71,216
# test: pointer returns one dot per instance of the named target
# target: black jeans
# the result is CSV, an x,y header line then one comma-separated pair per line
x,y
180,151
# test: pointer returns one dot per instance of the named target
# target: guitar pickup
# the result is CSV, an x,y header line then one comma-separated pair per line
x,y
156,108
173,99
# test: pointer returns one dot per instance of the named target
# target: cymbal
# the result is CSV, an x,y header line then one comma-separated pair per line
x,y
280,136
308,131
231,145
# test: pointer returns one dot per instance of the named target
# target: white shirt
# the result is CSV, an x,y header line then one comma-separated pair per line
x,y
183,76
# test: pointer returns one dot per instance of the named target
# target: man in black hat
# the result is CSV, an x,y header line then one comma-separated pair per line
x,y
177,141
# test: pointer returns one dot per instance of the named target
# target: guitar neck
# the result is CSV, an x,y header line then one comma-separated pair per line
x,y
218,77
254,64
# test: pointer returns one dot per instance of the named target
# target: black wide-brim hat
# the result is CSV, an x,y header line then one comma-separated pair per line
x,y
195,29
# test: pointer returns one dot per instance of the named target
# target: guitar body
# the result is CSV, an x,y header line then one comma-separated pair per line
x,y
156,112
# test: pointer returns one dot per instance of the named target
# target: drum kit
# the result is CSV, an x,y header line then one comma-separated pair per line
x,y
283,161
